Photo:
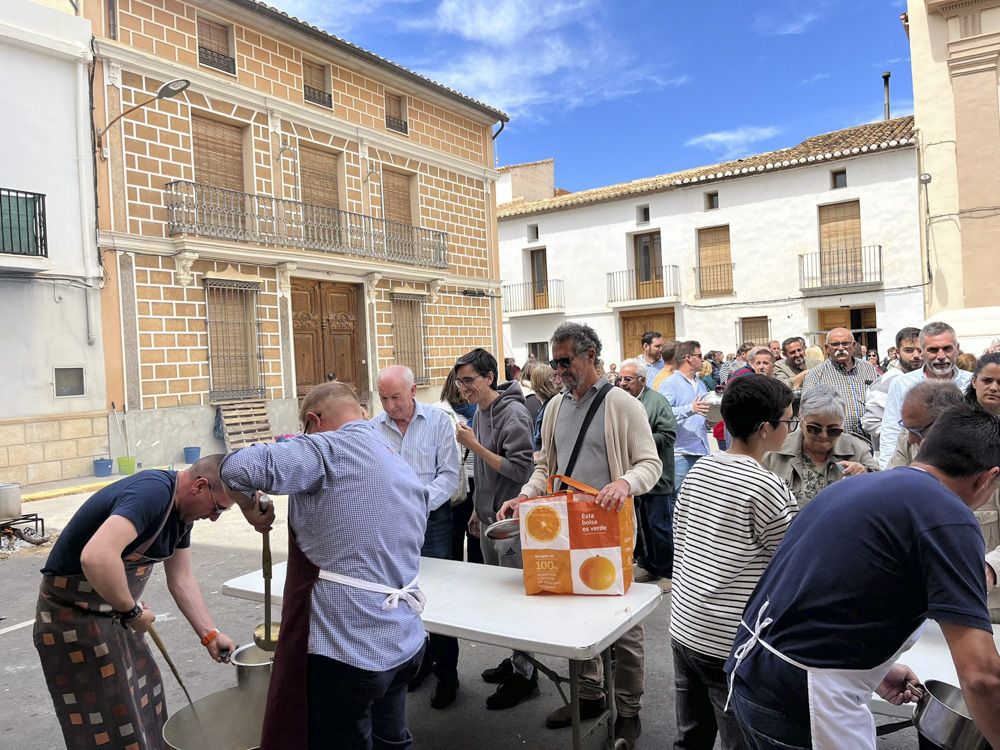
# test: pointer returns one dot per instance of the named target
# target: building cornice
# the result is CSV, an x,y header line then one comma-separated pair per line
x,y
189,248
43,43
977,54
228,90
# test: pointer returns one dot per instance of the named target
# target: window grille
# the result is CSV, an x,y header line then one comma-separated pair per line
x,y
394,117
22,223
235,348
213,46
409,335
757,330
314,86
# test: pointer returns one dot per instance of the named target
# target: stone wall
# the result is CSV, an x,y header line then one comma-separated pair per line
x,y
46,449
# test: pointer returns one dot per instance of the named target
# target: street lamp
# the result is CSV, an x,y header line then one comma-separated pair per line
x,y
167,91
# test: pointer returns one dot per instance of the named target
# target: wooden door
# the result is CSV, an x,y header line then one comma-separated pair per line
x,y
637,322
539,280
326,335
648,266
837,318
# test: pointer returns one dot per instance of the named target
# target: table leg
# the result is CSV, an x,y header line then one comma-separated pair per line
x,y
609,696
574,702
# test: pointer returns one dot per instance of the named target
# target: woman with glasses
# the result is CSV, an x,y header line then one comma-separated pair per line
x,y
822,451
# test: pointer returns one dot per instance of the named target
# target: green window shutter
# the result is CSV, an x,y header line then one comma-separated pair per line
x,y
18,233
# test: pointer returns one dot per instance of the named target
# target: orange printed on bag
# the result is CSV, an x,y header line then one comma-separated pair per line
x,y
571,545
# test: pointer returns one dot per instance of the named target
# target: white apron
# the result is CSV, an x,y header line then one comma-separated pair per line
x,y
409,593
839,716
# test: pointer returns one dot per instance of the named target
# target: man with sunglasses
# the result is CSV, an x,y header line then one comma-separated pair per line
x,y
90,620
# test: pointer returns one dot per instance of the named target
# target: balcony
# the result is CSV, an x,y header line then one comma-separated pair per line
x,y
216,60
317,96
714,280
394,123
630,285
530,296
209,211
23,240
841,269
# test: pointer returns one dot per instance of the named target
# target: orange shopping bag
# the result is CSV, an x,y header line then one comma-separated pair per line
x,y
571,545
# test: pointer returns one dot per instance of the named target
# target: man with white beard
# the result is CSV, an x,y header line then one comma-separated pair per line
x,y
940,351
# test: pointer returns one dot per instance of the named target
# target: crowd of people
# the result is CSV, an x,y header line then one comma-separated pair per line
x,y
765,503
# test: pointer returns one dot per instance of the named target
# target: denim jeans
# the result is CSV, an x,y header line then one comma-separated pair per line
x,y
354,709
766,728
700,697
657,525
442,649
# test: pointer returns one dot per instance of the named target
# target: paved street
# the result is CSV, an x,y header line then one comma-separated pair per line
x,y
228,548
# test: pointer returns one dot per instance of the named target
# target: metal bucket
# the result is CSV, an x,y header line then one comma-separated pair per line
x,y
10,501
227,720
253,668
943,718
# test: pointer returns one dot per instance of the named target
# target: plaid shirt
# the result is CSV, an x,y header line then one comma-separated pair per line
x,y
851,385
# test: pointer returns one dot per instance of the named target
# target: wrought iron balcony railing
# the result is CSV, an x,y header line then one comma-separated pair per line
x,y
193,208
841,267
394,123
531,295
317,96
22,224
638,284
714,280
216,60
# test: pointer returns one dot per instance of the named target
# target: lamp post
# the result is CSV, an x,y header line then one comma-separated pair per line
x,y
167,91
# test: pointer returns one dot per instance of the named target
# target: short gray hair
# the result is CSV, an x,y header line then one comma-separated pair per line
x,y
936,328
936,396
821,399
583,336
402,370
635,362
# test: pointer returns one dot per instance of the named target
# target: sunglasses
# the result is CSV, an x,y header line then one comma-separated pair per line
x,y
563,362
816,429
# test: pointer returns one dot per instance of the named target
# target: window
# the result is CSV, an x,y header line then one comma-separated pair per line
x,y
757,330
539,350
396,197
642,214
318,173
539,279
218,153
314,86
395,117
712,200
234,345
715,264
648,265
532,232
838,179
214,49
409,340
22,223
69,381
840,256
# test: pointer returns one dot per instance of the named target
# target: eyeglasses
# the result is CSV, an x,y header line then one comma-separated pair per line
x,y
629,378
563,362
917,431
218,508
841,345
467,382
793,423
818,429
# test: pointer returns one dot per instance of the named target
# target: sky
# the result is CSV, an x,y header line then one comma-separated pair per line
x,y
617,90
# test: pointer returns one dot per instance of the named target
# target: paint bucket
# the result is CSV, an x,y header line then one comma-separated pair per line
x,y
191,454
102,467
10,501
126,464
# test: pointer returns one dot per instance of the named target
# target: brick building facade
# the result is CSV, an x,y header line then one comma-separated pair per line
x,y
305,209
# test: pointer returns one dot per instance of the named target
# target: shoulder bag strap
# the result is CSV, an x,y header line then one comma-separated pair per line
x,y
594,406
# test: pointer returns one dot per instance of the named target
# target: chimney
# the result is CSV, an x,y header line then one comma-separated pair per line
x,y
885,86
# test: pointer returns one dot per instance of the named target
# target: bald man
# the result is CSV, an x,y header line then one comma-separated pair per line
x,y
849,377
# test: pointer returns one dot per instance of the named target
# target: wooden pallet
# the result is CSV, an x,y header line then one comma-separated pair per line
x,y
245,423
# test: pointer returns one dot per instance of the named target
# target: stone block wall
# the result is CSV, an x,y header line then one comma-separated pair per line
x,y
47,449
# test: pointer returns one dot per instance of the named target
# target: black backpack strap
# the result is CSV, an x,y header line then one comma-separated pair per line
x,y
594,406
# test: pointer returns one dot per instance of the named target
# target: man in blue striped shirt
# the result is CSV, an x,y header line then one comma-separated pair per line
x,y
423,436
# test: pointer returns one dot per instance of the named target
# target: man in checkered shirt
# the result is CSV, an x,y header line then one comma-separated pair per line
x,y
849,377
351,636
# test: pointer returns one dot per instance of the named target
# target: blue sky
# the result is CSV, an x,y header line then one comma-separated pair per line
x,y
616,90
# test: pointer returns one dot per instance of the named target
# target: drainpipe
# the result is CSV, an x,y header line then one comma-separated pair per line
x,y
85,187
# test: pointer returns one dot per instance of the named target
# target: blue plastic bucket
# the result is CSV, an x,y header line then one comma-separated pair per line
x,y
102,467
192,454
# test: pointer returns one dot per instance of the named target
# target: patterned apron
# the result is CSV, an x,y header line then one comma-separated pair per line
x,y
105,684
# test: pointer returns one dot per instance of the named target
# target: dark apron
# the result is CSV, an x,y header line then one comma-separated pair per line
x,y
286,716
105,684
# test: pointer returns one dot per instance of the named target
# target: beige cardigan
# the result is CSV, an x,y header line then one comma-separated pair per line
x,y
632,453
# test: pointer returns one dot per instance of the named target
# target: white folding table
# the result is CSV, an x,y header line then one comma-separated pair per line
x,y
487,604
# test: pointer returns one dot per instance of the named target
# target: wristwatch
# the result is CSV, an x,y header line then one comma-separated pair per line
x,y
126,617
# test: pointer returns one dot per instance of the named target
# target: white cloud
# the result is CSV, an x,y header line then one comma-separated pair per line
x,y
813,79
735,142
338,17
502,23
788,23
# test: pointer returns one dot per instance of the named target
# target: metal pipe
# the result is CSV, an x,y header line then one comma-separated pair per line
x,y
84,158
885,87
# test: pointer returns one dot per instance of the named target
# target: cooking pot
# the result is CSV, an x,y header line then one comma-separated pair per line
x,y
509,528
253,668
228,720
943,718
714,401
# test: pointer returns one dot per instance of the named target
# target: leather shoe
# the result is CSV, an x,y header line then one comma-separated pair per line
x,y
513,691
426,667
628,728
590,708
445,691
500,673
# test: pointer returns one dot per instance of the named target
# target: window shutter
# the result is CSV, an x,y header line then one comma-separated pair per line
x,y
218,153
233,340
840,243
713,246
393,105
396,197
314,75
318,170
213,36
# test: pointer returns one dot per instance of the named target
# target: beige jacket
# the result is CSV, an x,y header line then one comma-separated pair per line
x,y
632,453
787,461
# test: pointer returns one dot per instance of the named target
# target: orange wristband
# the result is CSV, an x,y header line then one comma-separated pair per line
x,y
209,636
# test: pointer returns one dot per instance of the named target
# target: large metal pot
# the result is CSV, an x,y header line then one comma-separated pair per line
x,y
943,718
227,720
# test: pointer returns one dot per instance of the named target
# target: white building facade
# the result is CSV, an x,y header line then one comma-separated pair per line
x,y
53,421
789,243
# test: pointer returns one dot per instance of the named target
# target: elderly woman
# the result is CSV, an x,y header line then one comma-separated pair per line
x,y
822,451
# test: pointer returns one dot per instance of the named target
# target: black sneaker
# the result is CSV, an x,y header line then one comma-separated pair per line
x,y
500,673
445,691
513,691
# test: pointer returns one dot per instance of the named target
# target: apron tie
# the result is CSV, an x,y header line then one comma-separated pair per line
x,y
409,593
744,649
